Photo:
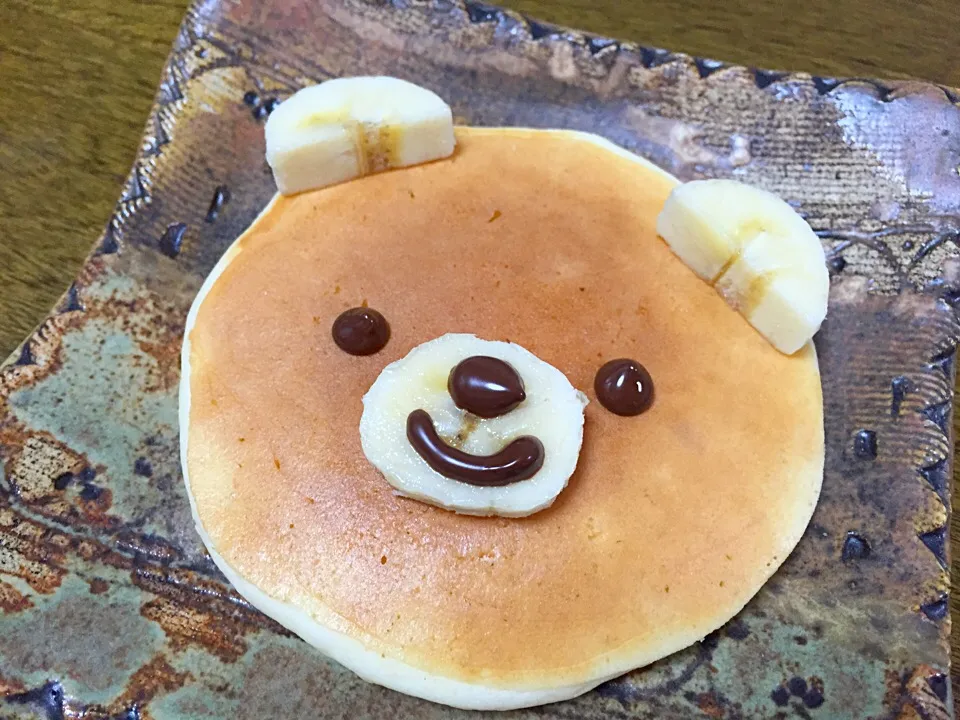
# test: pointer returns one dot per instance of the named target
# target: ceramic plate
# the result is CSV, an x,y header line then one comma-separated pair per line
x,y
110,606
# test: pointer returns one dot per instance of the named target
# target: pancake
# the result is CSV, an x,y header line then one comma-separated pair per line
x,y
673,520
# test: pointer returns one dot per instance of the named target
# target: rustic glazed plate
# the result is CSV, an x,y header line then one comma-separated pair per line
x,y
111,607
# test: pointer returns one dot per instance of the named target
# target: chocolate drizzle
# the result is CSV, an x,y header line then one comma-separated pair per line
x,y
624,387
361,331
485,386
519,460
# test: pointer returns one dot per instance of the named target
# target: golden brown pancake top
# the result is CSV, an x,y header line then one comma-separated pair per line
x,y
673,519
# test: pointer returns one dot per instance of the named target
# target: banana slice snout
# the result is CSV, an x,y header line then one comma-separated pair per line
x,y
759,254
349,127
475,426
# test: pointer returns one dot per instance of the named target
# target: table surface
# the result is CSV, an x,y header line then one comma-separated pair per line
x,y
78,78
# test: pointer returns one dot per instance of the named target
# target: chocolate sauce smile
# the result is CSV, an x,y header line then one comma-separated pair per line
x,y
519,460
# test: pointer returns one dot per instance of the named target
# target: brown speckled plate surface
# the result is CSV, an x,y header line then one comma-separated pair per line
x,y
110,606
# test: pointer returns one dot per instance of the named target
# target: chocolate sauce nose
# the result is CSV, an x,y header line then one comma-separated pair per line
x,y
485,386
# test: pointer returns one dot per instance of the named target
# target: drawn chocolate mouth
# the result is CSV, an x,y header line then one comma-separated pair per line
x,y
520,460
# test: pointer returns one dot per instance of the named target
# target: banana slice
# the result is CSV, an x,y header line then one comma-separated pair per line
x,y
756,250
551,412
350,127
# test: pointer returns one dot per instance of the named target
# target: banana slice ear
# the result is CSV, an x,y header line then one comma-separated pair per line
x,y
349,127
756,251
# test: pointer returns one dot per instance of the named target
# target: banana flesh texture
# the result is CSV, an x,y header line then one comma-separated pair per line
x,y
552,412
350,127
759,254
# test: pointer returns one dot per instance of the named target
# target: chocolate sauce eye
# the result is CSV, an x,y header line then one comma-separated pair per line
x,y
624,387
361,331
485,386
